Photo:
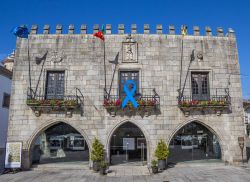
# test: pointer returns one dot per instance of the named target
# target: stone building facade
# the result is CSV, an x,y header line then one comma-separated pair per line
x,y
168,67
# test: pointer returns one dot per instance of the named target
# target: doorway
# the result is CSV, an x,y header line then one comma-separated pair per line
x,y
128,145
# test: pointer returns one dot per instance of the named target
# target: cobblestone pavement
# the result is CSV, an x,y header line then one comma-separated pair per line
x,y
196,173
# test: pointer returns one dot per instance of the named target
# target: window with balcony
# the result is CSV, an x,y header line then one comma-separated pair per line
x,y
55,85
54,99
200,86
128,75
201,97
148,101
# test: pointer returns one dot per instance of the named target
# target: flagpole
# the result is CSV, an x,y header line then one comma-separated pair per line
x,y
180,94
29,68
112,81
104,63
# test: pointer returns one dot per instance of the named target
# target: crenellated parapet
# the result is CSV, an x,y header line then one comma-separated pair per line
x,y
195,31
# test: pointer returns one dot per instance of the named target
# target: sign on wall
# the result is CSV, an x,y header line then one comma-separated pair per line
x,y
128,144
13,155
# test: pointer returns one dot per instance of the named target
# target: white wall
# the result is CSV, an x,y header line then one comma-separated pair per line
x,y
5,87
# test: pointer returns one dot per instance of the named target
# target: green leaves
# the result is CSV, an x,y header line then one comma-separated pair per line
x,y
161,151
97,152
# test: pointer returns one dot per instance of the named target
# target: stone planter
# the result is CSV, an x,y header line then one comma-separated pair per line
x,y
154,169
96,166
162,164
102,171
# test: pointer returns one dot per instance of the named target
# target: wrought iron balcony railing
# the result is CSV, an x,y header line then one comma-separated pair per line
x,y
44,103
218,99
148,102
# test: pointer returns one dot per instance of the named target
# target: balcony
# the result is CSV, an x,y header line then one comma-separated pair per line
x,y
66,103
148,103
217,101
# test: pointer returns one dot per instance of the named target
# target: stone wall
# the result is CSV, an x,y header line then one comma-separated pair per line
x,y
158,62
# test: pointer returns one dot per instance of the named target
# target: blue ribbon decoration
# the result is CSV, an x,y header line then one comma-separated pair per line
x,y
129,94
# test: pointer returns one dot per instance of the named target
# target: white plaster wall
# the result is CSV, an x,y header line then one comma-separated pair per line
x,y
5,87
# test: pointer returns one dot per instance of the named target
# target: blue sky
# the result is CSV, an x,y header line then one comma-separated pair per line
x,y
214,13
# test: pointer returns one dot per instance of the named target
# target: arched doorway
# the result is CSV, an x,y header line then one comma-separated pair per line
x,y
128,145
59,143
192,142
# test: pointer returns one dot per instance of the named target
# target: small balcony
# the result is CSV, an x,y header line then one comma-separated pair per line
x,y
217,101
39,103
148,103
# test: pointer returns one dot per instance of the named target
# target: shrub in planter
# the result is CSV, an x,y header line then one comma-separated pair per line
x,y
97,154
154,166
161,153
103,167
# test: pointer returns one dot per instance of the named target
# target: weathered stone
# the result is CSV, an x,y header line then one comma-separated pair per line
x,y
158,62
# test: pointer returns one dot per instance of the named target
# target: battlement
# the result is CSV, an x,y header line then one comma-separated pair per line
x,y
133,30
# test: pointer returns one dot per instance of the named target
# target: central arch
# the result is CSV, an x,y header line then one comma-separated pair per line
x,y
127,143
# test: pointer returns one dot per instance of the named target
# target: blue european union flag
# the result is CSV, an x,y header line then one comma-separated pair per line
x,y
21,32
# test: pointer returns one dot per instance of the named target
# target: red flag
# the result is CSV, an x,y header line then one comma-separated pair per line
x,y
100,35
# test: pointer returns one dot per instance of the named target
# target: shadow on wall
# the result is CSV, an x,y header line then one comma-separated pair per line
x,y
248,153
2,159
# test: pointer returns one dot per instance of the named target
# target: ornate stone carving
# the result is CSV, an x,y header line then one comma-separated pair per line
x,y
56,56
129,50
200,56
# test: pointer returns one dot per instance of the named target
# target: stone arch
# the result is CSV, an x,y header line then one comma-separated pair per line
x,y
47,125
210,128
117,125
28,145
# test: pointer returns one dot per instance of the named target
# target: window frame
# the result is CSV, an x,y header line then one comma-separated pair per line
x,y
46,85
200,96
119,81
4,104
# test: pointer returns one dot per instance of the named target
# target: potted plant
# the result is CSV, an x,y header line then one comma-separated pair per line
x,y
154,166
161,153
103,167
33,102
97,154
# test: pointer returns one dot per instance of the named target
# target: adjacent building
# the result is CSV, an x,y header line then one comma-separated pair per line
x,y
129,91
5,90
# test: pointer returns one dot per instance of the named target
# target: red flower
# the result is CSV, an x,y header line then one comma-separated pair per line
x,y
118,102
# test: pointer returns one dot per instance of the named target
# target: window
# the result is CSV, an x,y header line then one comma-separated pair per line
x,y
200,85
128,75
55,85
6,100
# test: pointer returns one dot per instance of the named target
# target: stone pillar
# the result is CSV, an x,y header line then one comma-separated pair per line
x,y
95,28
208,31
26,159
34,29
71,29
171,30
59,29
231,32
159,29
83,29
108,29
121,29
220,32
146,29
196,30
46,29
133,29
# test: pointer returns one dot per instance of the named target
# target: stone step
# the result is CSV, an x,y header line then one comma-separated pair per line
x,y
199,163
63,166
